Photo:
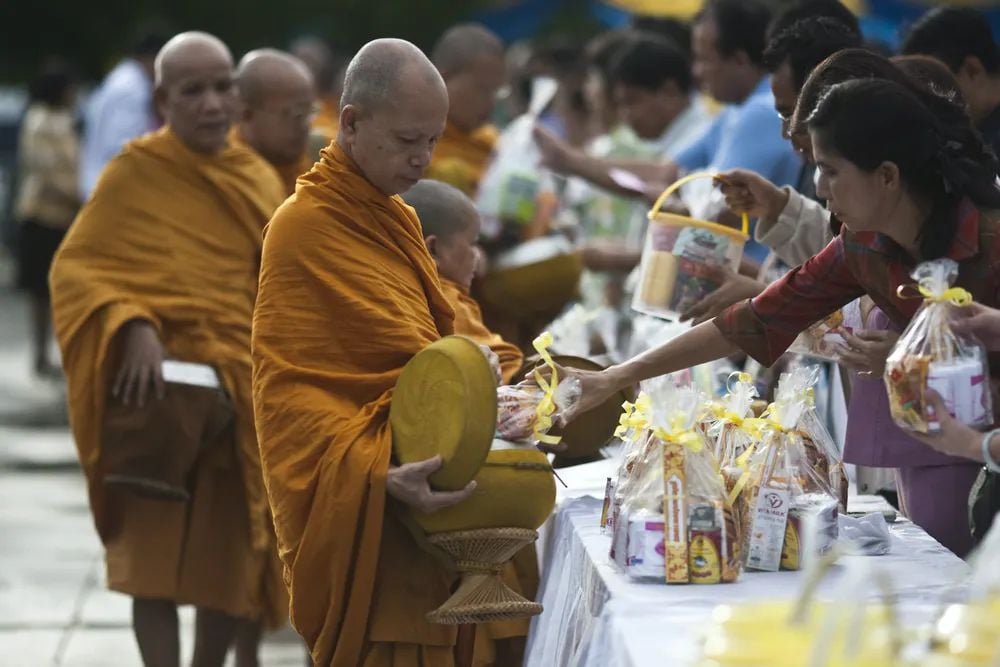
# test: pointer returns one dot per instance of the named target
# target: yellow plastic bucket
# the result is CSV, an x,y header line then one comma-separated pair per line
x,y
674,272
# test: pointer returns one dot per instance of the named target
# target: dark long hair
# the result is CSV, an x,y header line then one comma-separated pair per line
x,y
938,153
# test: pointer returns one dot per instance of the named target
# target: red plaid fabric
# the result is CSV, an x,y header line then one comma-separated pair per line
x,y
854,264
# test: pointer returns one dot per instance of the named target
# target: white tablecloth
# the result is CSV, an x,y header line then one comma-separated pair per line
x,y
595,615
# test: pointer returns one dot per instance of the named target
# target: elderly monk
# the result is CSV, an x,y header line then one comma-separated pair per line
x,y
161,264
450,224
328,72
348,294
471,61
279,100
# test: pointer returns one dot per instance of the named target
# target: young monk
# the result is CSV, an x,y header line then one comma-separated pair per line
x,y
348,294
137,282
279,99
450,225
471,61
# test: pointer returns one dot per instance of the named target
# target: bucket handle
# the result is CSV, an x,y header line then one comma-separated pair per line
x,y
673,187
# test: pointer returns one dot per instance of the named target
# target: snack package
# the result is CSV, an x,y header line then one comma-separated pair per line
x,y
735,435
528,410
931,355
821,340
670,482
822,453
784,490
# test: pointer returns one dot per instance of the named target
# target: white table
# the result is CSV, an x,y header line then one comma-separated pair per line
x,y
595,615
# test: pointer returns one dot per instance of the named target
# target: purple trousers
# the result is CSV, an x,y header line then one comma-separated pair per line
x,y
936,498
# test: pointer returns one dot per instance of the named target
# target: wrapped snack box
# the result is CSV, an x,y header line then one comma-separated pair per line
x,y
822,339
528,410
670,479
822,453
931,355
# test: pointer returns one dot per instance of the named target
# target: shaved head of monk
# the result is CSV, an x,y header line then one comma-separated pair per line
x,y
450,223
393,111
279,100
471,61
196,91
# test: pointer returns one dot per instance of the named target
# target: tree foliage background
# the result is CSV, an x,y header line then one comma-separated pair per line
x,y
94,34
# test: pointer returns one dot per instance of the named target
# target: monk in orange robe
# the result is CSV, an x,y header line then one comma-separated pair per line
x,y
471,61
161,264
279,100
328,71
450,225
348,295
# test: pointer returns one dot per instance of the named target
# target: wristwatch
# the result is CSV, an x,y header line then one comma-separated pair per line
x,y
988,459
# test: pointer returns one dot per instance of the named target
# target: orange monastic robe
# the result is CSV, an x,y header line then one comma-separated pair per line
x,y
469,323
288,173
172,237
348,294
461,158
327,121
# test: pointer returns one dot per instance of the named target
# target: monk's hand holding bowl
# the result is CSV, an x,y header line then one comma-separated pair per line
x,y
142,364
408,484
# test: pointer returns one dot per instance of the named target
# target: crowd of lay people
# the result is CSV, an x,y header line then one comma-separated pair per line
x,y
238,258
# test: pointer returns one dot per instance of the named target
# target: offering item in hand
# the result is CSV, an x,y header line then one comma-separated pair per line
x,y
931,355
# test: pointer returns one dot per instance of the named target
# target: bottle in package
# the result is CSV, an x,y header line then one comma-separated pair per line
x,y
785,493
822,453
931,355
529,410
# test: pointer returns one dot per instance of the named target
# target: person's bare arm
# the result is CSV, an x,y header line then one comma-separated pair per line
x,y
699,345
610,255
565,159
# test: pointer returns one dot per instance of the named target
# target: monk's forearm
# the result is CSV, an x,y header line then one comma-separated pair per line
x,y
699,345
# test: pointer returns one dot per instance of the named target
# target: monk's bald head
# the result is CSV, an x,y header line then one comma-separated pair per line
x,y
195,90
471,60
189,50
327,66
451,228
443,209
462,44
270,73
393,111
382,69
279,98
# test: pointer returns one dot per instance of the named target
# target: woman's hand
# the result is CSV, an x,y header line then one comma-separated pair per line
x,y
953,437
749,192
981,321
865,352
733,288
595,388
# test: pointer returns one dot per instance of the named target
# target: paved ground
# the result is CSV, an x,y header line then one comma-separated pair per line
x,y
54,608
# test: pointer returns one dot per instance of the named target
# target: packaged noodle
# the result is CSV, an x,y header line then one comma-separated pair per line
x,y
931,355
784,491
528,410
674,519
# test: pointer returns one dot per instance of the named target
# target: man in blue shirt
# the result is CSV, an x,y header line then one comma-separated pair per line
x,y
728,45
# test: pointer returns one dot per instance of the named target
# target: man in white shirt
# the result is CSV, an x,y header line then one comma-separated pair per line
x,y
119,110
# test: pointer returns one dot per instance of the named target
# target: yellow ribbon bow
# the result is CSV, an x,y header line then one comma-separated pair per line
x,y
634,417
678,433
956,296
547,406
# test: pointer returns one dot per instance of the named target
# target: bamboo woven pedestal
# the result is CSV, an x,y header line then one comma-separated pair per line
x,y
482,596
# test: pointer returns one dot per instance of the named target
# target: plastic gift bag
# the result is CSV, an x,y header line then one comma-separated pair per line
x,y
867,535
735,435
821,340
931,355
784,490
528,410
674,519
821,450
